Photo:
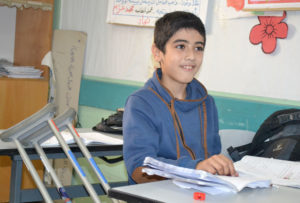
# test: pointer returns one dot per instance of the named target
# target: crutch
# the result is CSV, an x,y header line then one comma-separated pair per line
x,y
46,133
23,129
36,140
87,154
62,121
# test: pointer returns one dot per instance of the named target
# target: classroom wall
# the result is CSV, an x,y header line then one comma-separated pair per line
x,y
231,63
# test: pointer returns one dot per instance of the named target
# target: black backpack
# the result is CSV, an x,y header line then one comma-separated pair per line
x,y
112,124
277,137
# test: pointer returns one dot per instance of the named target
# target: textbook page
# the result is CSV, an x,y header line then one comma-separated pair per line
x,y
191,178
280,172
87,137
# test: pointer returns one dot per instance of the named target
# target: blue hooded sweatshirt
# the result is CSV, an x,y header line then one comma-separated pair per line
x,y
181,132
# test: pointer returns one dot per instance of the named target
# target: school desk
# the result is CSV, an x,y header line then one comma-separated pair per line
x,y
30,195
166,191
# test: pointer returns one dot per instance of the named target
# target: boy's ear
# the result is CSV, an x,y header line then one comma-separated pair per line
x,y
156,52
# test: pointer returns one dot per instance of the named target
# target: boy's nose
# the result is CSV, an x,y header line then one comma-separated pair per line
x,y
190,55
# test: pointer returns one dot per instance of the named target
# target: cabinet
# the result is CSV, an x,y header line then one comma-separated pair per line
x,y
20,98
33,38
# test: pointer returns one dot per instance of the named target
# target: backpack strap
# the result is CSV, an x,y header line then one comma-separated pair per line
x,y
237,153
285,118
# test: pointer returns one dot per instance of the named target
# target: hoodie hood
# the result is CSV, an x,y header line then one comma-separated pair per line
x,y
196,92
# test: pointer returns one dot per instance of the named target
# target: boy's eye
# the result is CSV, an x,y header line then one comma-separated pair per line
x,y
180,46
199,48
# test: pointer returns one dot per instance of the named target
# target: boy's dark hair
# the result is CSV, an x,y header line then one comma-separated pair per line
x,y
170,23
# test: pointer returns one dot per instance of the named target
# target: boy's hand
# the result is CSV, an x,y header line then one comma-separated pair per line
x,y
217,164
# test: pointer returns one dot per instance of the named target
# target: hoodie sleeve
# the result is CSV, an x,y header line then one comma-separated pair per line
x,y
140,136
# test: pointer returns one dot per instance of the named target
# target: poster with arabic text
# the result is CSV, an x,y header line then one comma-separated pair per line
x,y
146,12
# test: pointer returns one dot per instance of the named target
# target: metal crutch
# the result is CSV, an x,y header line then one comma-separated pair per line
x,y
23,129
36,140
90,159
68,117
86,153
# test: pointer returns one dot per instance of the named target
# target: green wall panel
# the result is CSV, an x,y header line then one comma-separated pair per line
x,y
245,113
105,95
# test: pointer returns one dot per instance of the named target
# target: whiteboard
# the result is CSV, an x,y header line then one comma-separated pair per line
x,y
146,12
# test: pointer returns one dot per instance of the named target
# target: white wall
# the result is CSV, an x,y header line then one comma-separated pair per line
x,y
113,51
231,64
7,32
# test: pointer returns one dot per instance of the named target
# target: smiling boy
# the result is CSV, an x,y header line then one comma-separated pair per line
x,y
172,118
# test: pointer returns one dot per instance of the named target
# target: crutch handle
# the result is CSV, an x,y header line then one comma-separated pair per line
x,y
46,133
29,125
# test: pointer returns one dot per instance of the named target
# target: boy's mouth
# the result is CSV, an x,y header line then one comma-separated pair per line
x,y
187,67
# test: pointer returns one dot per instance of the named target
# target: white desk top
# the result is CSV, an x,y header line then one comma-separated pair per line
x,y
166,191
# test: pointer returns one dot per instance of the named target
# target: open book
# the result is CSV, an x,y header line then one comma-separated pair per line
x,y
202,180
253,172
280,172
88,138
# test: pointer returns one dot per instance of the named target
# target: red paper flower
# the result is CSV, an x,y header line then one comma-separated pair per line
x,y
269,29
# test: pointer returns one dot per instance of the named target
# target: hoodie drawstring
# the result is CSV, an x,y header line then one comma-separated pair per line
x,y
204,130
178,128
172,111
180,131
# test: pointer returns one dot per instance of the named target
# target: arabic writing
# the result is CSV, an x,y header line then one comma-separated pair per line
x,y
145,12
71,68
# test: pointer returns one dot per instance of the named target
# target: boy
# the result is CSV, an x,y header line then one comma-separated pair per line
x,y
172,118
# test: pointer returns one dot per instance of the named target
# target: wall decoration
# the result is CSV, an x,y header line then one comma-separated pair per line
x,y
144,13
267,5
267,31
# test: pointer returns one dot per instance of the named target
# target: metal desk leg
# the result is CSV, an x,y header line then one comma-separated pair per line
x,y
15,181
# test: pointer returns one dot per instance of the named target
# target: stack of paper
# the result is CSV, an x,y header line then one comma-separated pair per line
x,y
7,69
201,180
21,72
